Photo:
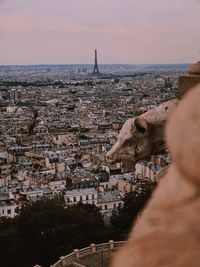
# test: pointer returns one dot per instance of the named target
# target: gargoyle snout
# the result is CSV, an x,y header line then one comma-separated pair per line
x,y
113,154
110,156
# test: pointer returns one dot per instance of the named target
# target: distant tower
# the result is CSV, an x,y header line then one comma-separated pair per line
x,y
14,95
96,69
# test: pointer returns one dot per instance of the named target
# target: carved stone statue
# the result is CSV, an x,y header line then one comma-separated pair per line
x,y
167,234
141,137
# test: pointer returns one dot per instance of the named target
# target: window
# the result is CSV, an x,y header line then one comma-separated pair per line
x,y
114,206
74,199
106,207
87,198
92,196
9,211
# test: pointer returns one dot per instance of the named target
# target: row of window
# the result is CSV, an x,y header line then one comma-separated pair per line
x,y
8,212
80,199
115,205
105,186
87,202
58,186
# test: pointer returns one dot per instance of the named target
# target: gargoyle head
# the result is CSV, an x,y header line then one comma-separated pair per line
x,y
133,143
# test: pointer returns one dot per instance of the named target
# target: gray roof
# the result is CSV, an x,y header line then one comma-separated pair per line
x,y
109,196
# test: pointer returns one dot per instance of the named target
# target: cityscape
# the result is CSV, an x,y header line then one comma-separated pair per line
x,y
92,131
57,124
56,130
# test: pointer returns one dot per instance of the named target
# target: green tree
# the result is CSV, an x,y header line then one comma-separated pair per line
x,y
45,230
134,202
12,246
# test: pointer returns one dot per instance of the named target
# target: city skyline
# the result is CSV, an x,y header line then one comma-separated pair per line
x,y
123,32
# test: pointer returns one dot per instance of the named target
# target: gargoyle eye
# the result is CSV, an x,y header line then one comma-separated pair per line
x,y
137,150
141,125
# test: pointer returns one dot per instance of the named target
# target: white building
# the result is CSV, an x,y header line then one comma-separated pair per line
x,y
86,196
8,209
107,201
147,169
57,185
33,194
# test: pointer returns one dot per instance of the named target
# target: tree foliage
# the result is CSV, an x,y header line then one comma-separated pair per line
x,y
134,202
45,230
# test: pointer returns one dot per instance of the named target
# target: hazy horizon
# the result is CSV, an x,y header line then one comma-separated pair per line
x,y
125,32
91,64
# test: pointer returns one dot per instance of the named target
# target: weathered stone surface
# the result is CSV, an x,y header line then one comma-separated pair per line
x,y
167,234
141,137
187,82
183,135
195,69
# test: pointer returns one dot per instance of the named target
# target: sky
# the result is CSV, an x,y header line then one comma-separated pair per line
x,y
123,31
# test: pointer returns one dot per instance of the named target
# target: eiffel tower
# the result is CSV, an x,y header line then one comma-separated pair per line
x,y
96,69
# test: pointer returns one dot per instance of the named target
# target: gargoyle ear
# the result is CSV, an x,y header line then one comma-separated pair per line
x,y
141,125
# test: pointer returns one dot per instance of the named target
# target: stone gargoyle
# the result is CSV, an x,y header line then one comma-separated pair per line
x,y
142,136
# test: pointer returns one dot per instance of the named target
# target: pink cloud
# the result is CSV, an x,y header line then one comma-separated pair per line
x,y
126,31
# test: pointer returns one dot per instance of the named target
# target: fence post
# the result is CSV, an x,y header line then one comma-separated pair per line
x,y
61,259
112,244
77,254
93,248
